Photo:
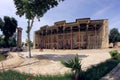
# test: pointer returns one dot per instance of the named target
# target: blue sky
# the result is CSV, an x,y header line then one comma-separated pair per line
x,y
68,10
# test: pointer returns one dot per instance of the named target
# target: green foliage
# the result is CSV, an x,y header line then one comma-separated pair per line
x,y
8,27
29,42
34,8
114,35
2,57
13,75
118,57
1,23
113,53
55,77
12,42
100,70
2,42
75,65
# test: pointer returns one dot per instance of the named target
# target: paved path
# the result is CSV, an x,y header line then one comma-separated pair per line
x,y
114,74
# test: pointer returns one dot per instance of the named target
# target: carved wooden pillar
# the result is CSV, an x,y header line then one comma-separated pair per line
x,y
45,40
95,46
71,39
87,35
79,36
63,42
51,39
57,38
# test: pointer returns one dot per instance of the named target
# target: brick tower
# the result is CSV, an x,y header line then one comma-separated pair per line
x,y
19,37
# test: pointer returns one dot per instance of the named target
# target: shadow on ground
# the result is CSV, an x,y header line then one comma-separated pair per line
x,y
53,57
56,57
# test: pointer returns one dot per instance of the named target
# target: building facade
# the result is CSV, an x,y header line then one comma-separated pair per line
x,y
81,34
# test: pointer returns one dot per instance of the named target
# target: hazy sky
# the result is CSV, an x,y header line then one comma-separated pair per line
x,y
68,10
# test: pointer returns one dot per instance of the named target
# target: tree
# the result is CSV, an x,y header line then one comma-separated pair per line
x,y
32,9
12,41
75,65
1,24
2,42
8,27
114,36
29,42
118,38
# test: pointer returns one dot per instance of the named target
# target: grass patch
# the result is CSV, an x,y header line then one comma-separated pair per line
x,y
100,70
2,57
55,77
14,75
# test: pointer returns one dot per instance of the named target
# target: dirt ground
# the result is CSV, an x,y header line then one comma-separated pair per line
x,y
48,61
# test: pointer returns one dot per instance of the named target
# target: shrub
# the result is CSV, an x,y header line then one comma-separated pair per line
x,y
75,65
113,53
2,57
118,57
100,70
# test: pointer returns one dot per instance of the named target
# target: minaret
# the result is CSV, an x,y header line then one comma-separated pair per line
x,y
19,37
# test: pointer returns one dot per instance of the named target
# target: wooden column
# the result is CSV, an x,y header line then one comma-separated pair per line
x,y
38,35
42,43
57,38
48,40
71,38
45,40
63,39
95,45
79,36
51,40
87,35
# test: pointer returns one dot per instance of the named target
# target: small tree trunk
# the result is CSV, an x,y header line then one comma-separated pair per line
x,y
29,44
30,24
76,76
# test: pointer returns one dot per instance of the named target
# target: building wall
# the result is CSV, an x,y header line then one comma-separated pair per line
x,y
81,34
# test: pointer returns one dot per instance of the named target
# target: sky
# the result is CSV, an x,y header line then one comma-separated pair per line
x,y
68,10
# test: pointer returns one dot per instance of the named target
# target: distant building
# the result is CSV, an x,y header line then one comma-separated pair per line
x,y
81,34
